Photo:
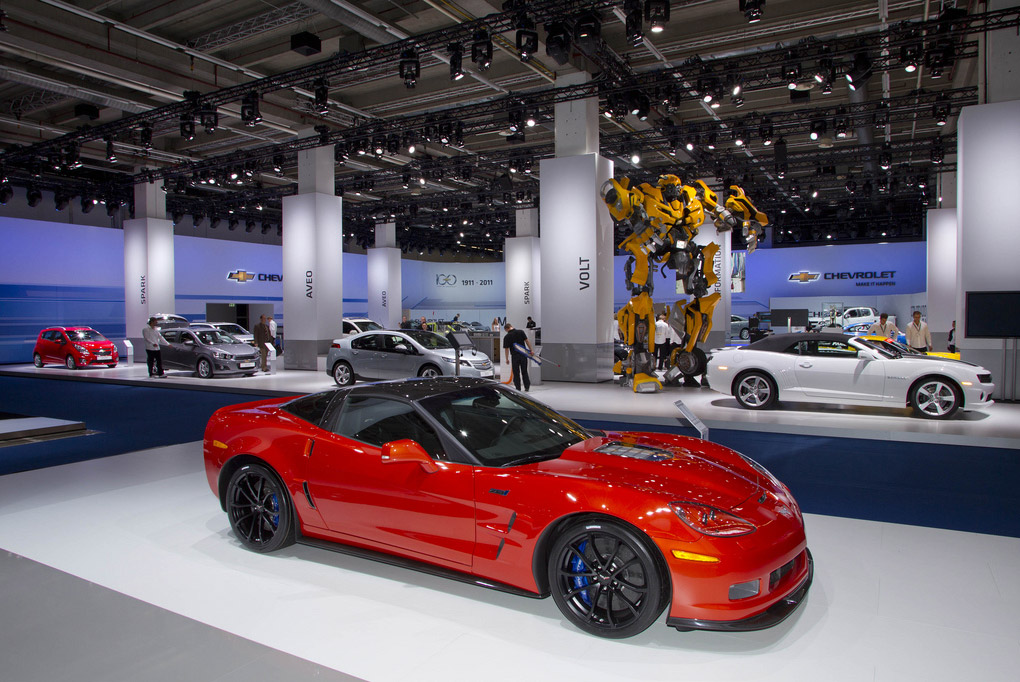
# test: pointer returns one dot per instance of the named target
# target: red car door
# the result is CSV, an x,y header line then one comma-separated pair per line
x,y
396,505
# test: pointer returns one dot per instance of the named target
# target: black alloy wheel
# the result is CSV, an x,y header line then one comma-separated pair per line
x,y
606,579
259,509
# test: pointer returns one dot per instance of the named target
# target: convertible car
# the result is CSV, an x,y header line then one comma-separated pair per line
x,y
843,369
468,479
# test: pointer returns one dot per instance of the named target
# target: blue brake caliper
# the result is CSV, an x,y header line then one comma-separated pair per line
x,y
275,506
577,565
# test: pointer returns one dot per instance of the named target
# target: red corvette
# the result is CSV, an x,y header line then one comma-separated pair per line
x,y
470,480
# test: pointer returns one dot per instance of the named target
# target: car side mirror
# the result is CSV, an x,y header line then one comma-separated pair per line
x,y
407,450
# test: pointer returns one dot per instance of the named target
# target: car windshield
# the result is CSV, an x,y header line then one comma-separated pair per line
x,y
86,335
368,325
429,340
234,329
211,337
501,428
885,348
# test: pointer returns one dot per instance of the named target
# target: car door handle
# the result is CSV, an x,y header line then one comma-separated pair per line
x,y
806,364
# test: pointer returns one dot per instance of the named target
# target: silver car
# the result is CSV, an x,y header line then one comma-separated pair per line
x,y
401,354
208,353
235,330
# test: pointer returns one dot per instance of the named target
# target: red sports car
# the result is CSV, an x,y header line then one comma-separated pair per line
x,y
471,480
74,347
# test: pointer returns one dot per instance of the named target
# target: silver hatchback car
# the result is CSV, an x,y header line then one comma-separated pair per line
x,y
401,354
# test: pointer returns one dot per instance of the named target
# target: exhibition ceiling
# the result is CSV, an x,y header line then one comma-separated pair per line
x,y
836,117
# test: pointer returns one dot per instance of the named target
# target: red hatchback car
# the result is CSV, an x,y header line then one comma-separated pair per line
x,y
74,347
470,480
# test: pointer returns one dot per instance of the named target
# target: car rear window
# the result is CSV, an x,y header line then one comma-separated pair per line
x,y
310,408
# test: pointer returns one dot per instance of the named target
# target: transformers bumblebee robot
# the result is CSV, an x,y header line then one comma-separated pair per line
x,y
663,220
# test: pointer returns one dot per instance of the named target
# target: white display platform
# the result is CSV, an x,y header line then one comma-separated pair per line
x,y
890,603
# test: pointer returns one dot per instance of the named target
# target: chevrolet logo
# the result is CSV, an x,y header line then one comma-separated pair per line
x,y
244,276
804,276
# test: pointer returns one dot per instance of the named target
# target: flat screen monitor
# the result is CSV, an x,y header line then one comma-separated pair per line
x,y
992,315
460,339
798,317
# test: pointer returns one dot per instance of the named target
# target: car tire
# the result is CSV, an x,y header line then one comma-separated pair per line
x,y
343,373
259,509
204,369
745,333
430,372
691,364
70,362
37,360
935,397
607,578
755,390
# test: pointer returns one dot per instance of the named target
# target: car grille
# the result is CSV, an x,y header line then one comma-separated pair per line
x,y
776,576
481,364
985,378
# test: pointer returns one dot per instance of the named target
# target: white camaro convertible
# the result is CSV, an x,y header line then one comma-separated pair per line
x,y
842,369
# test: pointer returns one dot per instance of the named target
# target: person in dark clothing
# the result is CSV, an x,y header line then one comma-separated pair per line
x,y
518,360
262,337
531,323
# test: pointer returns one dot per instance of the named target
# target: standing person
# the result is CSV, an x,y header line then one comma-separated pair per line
x,y
952,338
456,318
530,323
404,324
423,325
918,336
272,333
661,347
884,327
153,355
518,360
495,324
261,339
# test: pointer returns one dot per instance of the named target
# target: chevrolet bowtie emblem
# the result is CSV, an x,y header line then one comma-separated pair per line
x,y
804,276
244,276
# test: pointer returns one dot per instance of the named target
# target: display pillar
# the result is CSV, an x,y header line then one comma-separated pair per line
x,y
148,261
988,167
576,269
384,282
942,278
312,261
523,258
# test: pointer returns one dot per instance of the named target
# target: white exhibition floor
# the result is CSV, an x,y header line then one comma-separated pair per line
x,y
997,426
890,603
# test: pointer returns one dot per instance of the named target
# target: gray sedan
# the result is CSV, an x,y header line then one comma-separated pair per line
x,y
208,352
401,354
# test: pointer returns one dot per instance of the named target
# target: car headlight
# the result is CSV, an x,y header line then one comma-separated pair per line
x,y
446,359
466,363
81,349
220,355
710,520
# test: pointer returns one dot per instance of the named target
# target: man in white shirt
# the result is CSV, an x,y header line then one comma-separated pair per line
x,y
661,346
918,336
153,355
884,327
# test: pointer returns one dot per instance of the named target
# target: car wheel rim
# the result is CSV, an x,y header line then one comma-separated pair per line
x,y
603,581
754,391
255,509
70,362
430,373
37,360
204,369
342,375
935,398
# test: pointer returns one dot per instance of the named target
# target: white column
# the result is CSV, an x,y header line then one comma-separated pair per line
x,y
148,261
384,281
312,261
988,170
942,277
522,258
576,269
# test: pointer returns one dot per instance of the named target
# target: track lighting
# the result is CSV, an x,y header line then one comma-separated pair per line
x,y
860,72
320,103
456,61
481,50
753,10
657,15
410,68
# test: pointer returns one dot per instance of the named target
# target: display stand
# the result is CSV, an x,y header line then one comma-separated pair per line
x,y
271,357
128,358
692,419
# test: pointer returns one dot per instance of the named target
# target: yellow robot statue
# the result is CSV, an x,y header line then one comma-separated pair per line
x,y
663,220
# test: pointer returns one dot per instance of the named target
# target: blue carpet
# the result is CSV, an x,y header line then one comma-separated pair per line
x,y
127,418
941,486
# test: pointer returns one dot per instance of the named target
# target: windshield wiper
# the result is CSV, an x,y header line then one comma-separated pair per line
x,y
528,459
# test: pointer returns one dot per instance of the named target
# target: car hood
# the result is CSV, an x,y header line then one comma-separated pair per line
x,y
95,344
233,348
674,467
938,358
465,354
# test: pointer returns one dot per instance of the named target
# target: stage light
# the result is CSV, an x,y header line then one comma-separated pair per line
x,y
209,120
765,131
938,152
753,10
111,154
527,39
791,73
232,223
841,123
278,161
634,24
940,110
60,201
481,50
320,102
860,72
249,225
557,42
250,114
640,105
456,61
33,196
187,127
818,128
657,15
881,116
410,68
145,136
409,144
112,207
587,28
885,157
909,58
88,203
